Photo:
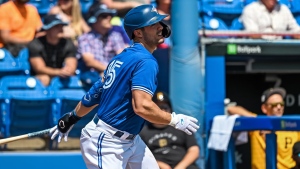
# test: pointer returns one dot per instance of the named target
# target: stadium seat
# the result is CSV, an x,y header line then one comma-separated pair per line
x,y
28,105
85,5
43,6
12,66
2,118
293,5
69,92
237,24
297,17
214,23
223,6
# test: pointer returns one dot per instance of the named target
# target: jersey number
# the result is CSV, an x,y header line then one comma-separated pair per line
x,y
111,73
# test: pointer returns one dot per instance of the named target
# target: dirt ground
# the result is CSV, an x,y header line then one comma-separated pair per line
x,y
40,144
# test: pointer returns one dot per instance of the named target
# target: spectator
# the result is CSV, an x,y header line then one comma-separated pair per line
x,y
97,47
296,155
116,28
123,6
268,16
52,55
164,7
70,11
170,147
19,24
272,105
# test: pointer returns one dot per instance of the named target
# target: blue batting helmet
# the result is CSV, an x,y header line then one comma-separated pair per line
x,y
142,16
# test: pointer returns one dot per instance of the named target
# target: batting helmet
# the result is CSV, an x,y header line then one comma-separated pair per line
x,y
142,16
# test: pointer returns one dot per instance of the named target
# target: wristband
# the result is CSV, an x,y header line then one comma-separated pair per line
x,y
174,120
74,115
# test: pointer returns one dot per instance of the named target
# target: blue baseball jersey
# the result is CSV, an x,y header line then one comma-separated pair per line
x,y
133,69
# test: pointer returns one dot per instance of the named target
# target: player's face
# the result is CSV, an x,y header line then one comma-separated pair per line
x,y
270,4
274,106
153,34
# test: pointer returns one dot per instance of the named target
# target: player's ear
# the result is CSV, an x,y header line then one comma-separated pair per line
x,y
264,108
137,33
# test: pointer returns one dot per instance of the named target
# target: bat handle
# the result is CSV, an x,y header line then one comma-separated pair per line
x,y
38,133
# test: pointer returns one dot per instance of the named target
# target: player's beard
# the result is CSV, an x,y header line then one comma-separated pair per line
x,y
152,40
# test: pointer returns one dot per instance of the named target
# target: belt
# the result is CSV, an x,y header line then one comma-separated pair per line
x,y
118,133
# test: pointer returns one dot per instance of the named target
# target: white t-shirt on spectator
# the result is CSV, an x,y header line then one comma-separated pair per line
x,y
256,18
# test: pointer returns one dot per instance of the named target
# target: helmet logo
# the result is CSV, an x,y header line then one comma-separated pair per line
x,y
154,9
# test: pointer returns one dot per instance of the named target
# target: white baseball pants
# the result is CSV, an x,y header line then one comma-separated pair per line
x,y
102,150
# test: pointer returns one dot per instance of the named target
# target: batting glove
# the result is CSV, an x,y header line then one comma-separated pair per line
x,y
184,123
64,126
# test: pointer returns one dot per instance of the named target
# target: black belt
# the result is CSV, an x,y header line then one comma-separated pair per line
x,y
118,133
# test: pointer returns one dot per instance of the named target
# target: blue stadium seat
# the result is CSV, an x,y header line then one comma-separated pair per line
x,y
27,104
43,6
214,23
297,17
223,6
293,5
2,118
237,24
85,5
69,92
12,66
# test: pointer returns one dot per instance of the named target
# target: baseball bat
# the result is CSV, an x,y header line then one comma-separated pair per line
x,y
20,137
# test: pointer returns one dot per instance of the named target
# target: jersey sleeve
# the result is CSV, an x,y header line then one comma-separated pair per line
x,y
190,141
35,48
70,48
93,96
145,76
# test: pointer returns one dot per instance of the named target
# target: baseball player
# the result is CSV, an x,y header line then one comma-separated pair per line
x,y
124,96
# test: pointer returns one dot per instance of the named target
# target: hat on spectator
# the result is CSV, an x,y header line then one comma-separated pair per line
x,y
52,20
98,10
296,148
271,91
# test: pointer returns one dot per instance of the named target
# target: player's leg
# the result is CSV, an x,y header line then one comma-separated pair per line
x,y
142,157
100,150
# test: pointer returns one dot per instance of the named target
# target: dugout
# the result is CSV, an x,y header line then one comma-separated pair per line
x,y
241,69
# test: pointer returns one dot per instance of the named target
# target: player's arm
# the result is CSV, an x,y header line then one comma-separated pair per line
x,y
189,158
143,86
144,106
240,111
88,102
